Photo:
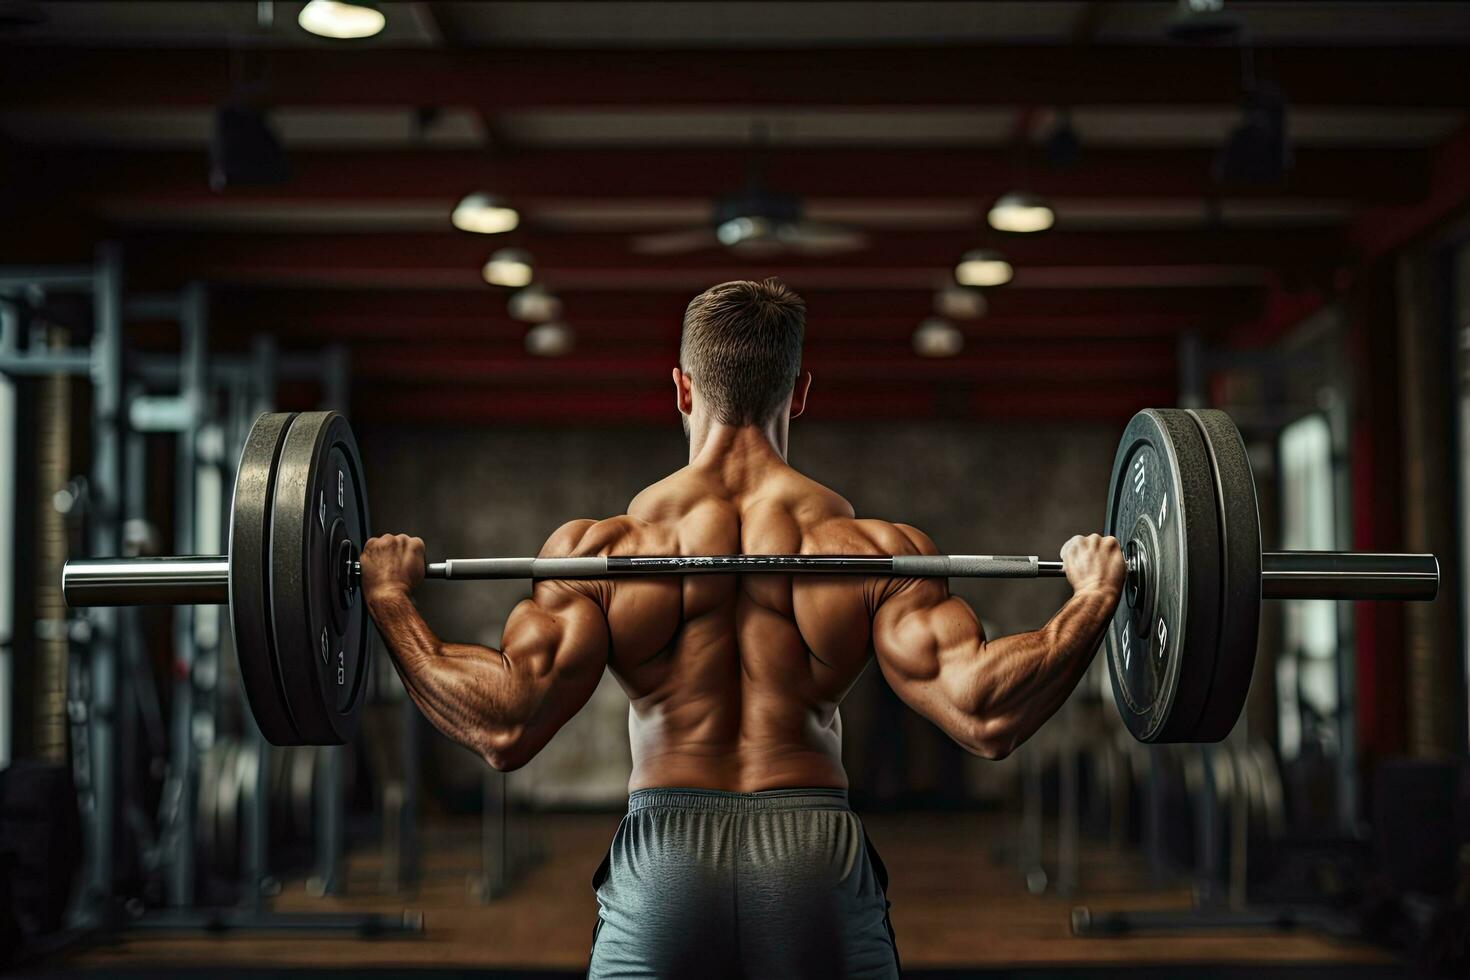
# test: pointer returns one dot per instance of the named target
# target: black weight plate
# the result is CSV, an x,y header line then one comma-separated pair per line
x,y
1161,648
1240,556
250,620
319,629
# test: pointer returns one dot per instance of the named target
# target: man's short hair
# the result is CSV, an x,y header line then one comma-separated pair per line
x,y
742,346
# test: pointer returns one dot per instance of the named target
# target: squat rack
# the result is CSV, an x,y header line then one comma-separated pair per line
x,y
120,416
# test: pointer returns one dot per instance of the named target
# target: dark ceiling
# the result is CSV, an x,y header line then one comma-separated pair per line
x,y
603,121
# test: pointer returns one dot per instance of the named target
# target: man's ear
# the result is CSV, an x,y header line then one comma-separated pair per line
x,y
799,394
683,394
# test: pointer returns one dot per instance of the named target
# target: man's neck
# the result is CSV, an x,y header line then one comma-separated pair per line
x,y
736,447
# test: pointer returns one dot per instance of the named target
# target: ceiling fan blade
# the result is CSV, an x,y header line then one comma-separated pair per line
x,y
817,238
758,248
673,242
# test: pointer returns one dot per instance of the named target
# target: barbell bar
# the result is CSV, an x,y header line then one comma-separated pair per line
x,y
1180,647
205,579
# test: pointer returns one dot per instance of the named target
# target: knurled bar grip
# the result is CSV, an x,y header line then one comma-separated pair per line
x,y
936,566
975,566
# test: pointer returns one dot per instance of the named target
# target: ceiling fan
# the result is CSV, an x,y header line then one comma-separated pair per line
x,y
756,222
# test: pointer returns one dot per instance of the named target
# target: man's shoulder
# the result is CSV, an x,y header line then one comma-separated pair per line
x,y
817,499
667,499
588,536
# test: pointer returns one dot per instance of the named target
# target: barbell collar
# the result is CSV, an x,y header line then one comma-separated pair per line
x,y
186,580
1349,575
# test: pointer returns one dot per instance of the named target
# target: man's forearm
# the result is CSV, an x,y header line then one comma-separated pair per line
x,y
468,692
1027,676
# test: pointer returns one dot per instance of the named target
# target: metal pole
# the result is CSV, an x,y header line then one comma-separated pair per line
x,y
52,278
9,341
1069,802
258,814
99,804
1346,664
256,856
136,677
1153,814
1033,860
1348,575
494,876
408,830
1207,830
192,311
194,579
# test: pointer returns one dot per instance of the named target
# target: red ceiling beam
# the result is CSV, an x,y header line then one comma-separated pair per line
x,y
663,334
1064,280
488,406
668,305
1381,230
497,80
175,179
1375,233
452,261
563,256
988,363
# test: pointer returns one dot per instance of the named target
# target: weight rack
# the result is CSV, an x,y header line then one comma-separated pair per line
x,y
121,414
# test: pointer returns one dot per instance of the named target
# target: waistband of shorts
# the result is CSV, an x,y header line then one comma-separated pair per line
x,y
721,801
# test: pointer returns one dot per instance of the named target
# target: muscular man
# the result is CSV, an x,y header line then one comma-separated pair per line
x,y
739,855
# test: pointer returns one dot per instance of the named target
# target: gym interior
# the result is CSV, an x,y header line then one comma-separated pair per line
x,y
472,230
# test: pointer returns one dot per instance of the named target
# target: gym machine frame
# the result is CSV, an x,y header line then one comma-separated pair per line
x,y
96,767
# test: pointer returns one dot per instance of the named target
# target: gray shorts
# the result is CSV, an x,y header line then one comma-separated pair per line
x,y
702,883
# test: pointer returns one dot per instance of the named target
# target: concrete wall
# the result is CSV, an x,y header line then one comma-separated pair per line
x,y
990,489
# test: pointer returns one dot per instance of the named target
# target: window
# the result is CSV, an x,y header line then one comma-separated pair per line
x,y
1307,674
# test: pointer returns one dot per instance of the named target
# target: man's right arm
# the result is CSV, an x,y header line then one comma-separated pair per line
x,y
992,695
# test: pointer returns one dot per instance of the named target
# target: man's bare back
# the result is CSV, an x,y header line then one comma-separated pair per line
x,y
735,681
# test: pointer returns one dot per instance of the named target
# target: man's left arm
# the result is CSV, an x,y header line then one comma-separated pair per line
x,y
502,704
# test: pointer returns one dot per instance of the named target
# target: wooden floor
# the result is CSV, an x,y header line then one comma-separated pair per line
x,y
954,905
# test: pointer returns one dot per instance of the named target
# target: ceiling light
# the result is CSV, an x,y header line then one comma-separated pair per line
x,y
508,267
1201,21
336,19
983,267
534,304
1021,212
484,214
744,229
550,339
960,303
938,338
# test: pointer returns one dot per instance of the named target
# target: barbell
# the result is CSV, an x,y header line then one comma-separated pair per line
x,y
1180,647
